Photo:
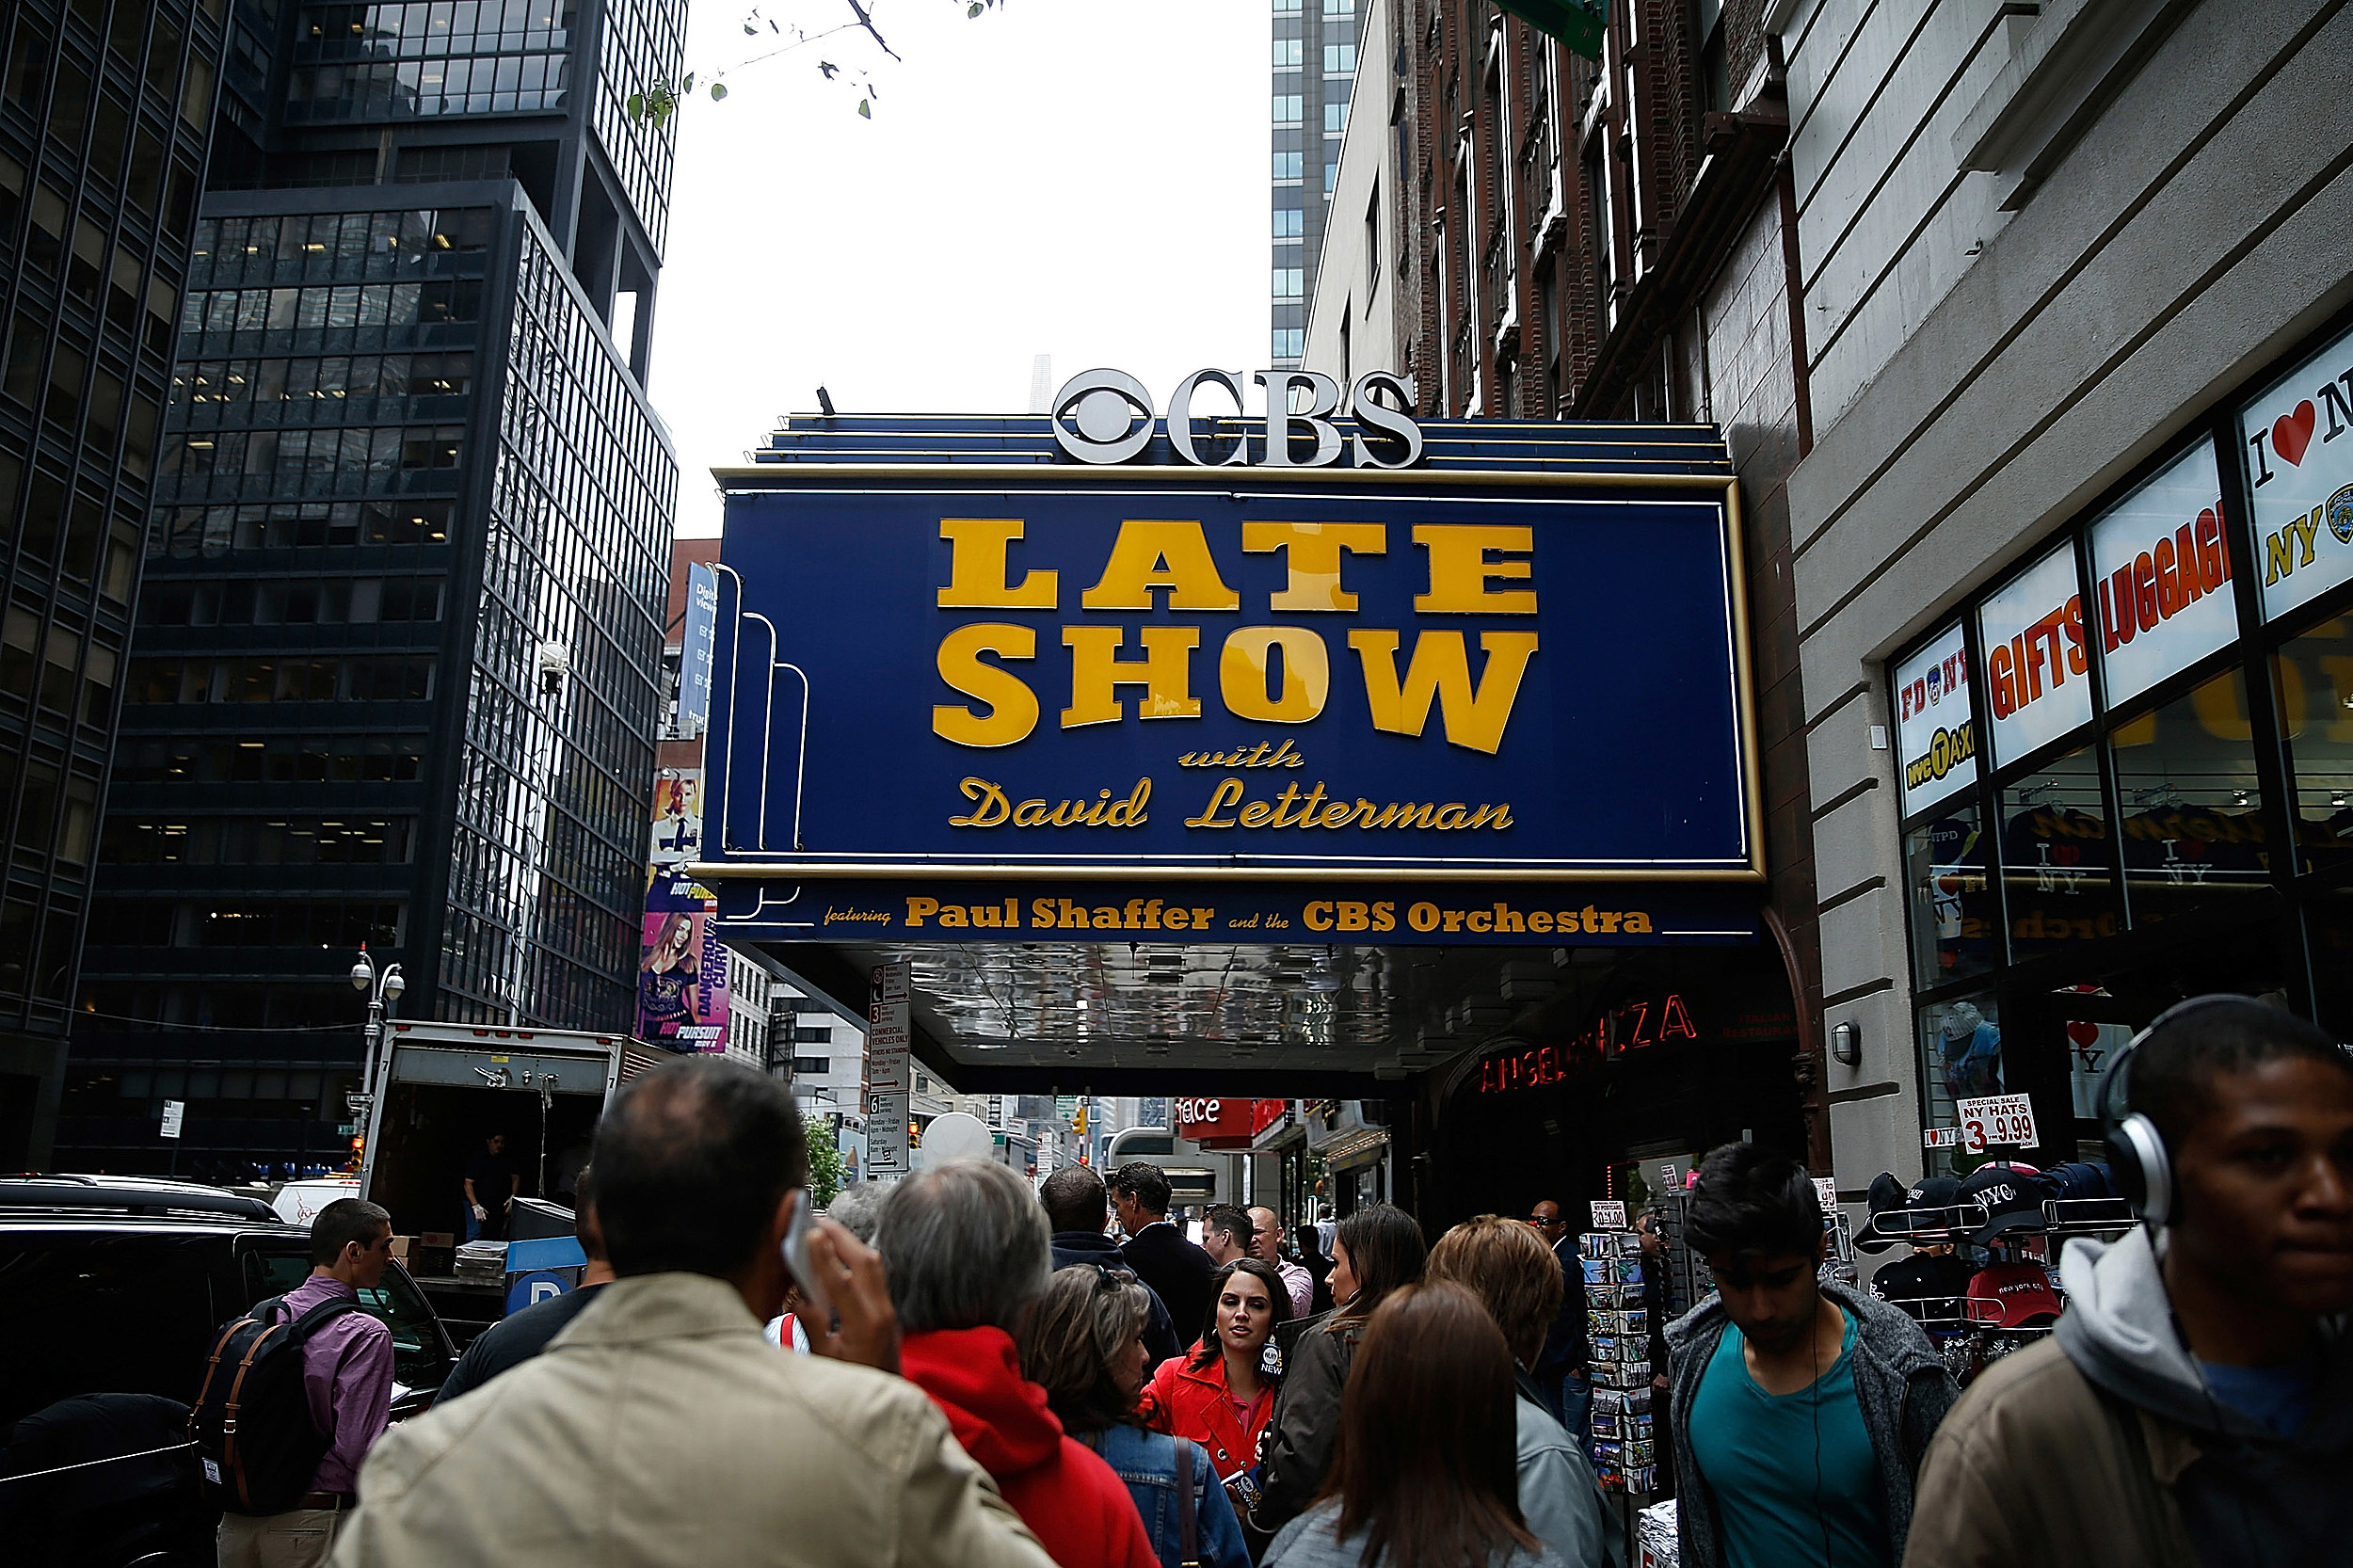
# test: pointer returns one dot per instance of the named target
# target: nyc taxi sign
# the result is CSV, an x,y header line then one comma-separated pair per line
x,y
1040,669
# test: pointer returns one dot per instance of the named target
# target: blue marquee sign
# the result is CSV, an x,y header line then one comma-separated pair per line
x,y
1162,675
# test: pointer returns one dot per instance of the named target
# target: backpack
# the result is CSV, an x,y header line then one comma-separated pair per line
x,y
251,1423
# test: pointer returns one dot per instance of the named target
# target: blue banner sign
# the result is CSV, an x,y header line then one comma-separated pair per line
x,y
1378,914
1425,676
693,671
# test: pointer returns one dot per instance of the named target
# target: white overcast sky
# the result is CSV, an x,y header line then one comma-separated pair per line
x,y
1081,178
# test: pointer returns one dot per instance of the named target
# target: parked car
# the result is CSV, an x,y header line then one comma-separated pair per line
x,y
298,1203
112,1290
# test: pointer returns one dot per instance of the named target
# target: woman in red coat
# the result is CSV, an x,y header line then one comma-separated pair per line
x,y
1222,1393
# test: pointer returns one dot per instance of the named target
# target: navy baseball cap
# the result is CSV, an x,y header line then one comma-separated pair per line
x,y
2012,1196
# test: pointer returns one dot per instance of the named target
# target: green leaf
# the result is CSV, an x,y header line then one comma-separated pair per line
x,y
975,10
637,106
718,90
865,109
750,31
688,86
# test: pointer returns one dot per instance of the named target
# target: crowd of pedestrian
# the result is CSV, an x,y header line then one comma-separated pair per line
x,y
985,1383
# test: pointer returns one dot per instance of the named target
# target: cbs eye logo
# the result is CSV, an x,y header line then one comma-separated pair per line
x,y
1103,416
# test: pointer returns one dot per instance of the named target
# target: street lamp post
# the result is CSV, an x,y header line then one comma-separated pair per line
x,y
379,983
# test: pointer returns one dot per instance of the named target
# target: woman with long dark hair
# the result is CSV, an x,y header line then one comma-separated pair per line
x,y
1222,1393
1424,1473
1083,1343
1379,1250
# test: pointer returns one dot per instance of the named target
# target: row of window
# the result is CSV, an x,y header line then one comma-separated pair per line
x,y
225,247
289,309
334,378
1290,107
435,28
252,922
381,449
47,972
358,678
502,84
182,1004
1330,7
185,533
1339,59
291,601
257,840
277,759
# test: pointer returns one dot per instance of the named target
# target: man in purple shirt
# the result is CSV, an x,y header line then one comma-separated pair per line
x,y
348,1374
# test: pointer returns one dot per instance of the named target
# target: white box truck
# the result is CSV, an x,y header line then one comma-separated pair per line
x,y
442,1090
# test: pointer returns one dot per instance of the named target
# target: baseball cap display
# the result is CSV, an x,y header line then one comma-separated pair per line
x,y
1887,1196
1922,1209
2012,1196
2014,1295
1928,1288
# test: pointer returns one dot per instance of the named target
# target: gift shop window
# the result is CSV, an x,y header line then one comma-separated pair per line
x,y
2125,767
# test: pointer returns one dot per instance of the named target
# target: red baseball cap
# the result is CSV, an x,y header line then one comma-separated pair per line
x,y
2012,1295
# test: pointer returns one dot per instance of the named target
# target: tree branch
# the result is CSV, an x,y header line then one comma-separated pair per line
x,y
868,22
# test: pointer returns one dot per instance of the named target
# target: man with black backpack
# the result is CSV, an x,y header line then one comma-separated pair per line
x,y
294,1393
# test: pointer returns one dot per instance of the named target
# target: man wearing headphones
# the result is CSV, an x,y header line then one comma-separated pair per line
x,y
2195,1405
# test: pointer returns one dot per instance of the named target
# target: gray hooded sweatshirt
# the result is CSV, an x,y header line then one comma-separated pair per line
x,y
2249,1496
1901,1387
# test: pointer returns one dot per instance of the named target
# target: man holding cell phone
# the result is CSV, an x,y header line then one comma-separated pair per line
x,y
660,1427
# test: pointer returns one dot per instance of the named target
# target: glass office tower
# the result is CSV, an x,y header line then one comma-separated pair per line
x,y
104,113
396,674
1315,69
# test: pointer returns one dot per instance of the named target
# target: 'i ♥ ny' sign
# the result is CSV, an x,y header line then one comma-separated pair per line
x,y
2299,451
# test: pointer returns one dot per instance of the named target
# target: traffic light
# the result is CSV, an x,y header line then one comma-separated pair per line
x,y
1080,1127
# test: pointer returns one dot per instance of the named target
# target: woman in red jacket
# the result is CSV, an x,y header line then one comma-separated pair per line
x,y
1222,1393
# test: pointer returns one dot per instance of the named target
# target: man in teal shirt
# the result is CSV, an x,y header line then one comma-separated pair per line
x,y
1802,1409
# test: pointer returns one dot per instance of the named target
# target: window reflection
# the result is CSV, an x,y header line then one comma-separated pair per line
x,y
1960,1058
1949,869
2058,859
2193,825
2313,677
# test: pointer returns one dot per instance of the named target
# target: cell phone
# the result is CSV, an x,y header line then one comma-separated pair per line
x,y
796,1258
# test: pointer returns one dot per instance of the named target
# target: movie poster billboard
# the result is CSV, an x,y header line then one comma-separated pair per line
x,y
678,816
682,968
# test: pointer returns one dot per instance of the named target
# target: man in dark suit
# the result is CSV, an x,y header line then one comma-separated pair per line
x,y
1077,1209
1560,1372
1158,1251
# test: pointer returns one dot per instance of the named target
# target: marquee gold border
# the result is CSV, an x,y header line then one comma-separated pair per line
x,y
782,477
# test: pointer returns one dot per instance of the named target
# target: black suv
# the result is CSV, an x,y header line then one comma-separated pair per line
x,y
114,1285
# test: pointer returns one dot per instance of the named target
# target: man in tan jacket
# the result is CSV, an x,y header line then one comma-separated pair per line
x,y
2195,1407
660,1427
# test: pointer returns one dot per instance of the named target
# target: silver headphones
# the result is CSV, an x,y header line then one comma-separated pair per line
x,y
2135,1150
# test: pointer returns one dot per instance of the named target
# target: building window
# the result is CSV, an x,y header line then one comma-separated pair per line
x,y
1288,53
1335,118
1286,8
1339,59
1288,222
1331,177
1340,8
809,1067
1289,108
1286,167
1372,242
1290,341
1289,282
